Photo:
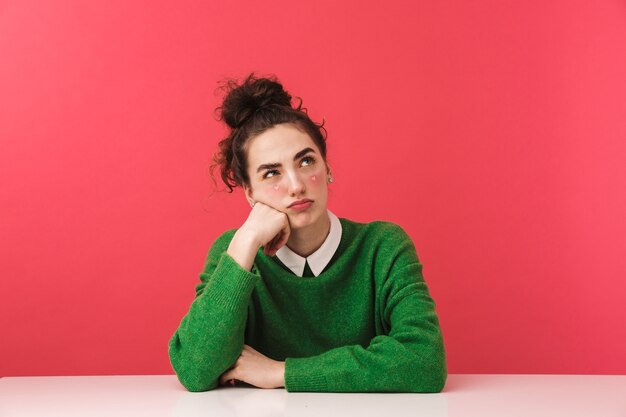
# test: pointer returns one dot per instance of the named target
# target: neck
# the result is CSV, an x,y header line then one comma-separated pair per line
x,y
307,240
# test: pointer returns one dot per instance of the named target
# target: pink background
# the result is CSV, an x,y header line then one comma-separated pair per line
x,y
493,132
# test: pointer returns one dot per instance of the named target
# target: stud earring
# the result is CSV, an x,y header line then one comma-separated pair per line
x,y
252,203
330,180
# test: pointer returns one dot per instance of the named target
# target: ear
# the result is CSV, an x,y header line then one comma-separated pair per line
x,y
248,193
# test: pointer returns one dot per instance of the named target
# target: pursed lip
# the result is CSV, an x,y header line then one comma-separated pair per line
x,y
306,200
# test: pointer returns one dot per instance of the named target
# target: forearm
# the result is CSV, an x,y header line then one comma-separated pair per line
x,y
385,366
210,337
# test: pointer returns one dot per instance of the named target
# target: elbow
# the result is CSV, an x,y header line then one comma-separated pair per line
x,y
436,380
434,374
194,380
428,376
195,385
439,383
193,377
427,381
432,369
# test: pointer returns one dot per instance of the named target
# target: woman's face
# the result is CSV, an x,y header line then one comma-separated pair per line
x,y
284,166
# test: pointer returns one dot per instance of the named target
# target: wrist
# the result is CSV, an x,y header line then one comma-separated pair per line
x,y
247,239
280,374
243,250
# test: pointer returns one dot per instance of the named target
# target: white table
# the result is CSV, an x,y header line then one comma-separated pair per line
x,y
464,395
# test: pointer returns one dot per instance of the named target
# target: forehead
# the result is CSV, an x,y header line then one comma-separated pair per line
x,y
278,144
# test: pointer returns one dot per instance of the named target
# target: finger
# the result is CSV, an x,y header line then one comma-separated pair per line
x,y
287,229
226,377
272,251
249,348
284,237
228,383
223,378
270,248
283,240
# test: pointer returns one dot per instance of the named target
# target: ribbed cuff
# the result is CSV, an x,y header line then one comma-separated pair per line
x,y
299,377
230,283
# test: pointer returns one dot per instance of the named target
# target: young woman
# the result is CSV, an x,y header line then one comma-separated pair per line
x,y
297,297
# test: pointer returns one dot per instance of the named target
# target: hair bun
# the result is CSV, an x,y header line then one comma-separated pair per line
x,y
243,100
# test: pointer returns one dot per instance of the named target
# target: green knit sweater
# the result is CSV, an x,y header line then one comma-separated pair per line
x,y
367,323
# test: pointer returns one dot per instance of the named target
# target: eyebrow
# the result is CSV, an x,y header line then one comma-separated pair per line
x,y
277,165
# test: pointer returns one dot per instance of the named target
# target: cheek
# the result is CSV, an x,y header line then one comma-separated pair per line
x,y
316,179
275,189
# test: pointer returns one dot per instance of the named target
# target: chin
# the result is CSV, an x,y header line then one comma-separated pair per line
x,y
300,220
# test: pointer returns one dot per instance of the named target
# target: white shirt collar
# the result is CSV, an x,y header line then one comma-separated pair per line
x,y
320,258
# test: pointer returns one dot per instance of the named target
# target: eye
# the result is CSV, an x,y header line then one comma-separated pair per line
x,y
271,171
310,160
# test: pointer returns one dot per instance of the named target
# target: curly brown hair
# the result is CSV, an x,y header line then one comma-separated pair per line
x,y
250,108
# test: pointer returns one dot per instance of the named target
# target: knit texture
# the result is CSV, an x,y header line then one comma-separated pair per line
x,y
367,323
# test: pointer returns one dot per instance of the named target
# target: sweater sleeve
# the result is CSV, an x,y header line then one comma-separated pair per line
x,y
210,336
409,358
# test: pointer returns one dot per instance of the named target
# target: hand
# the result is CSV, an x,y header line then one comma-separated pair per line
x,y
256,369
265,226
268,226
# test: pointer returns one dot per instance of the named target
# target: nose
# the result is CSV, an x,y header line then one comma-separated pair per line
x,y
295,184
